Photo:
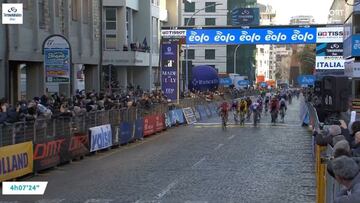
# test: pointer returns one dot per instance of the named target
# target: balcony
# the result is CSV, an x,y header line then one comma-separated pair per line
x,y
125,58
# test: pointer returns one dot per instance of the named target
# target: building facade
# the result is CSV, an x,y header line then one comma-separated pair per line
x,y
21,58
131,42
212,55
265,54
302,20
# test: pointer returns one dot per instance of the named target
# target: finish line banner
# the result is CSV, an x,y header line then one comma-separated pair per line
x,y
252,36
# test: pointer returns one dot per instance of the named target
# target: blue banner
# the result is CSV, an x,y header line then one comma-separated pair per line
x,y
202,111
197,114
356,45
213,109
263,84
139,129
169,71
100,137
126,132
252,36
177,117
225,81
243,83
167,120
306,79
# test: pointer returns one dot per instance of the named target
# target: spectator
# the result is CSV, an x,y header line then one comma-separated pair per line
x,y
346,172
356,148
324,140
337,138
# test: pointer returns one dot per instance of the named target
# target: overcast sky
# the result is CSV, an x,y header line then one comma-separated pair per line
x,y
287,8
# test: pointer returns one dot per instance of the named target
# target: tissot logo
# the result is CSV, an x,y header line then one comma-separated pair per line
x,y
12,13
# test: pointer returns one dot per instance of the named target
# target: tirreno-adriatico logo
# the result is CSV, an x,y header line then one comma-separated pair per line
x,y
12,13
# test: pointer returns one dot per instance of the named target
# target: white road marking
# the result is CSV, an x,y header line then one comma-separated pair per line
x,y
167,189
199,162
219,146
98,200
50,201
231,137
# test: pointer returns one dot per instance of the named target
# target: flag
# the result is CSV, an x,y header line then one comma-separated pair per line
x,y
145,42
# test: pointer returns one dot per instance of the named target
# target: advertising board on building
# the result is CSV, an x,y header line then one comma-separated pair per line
x,y
329,34
169,71
57,59
245,16
329,62
16,160
100,137
173,33
329,49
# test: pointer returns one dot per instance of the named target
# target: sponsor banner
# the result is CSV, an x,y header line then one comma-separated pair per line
x,y
263,84
139,129
177,117
201,109
245,16
329,49
352,69
16,160
47,153
355,45
167,120
169,71
189,115
329,62
126,132
159,123
149,125
306,80
197,114
225,81
213,108
173,33
252,36
100,137
329,34
77,145
208,112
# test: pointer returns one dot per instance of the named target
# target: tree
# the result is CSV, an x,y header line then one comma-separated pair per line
x,y
306,58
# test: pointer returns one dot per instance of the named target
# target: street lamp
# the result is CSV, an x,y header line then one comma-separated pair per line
x,y
186,47
235,57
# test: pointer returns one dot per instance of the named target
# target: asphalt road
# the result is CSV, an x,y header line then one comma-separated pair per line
x,y
198,163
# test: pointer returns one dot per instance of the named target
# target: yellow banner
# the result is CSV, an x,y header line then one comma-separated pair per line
x,y
16,160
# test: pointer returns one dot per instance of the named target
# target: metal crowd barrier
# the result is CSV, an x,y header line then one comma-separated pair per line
x,y
326,186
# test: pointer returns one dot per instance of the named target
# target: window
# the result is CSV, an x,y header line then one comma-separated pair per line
x,y
41,14
191,53
210,7
210,21
110,41
86,13
75,9
129,25
189,7
262,50
110,19
209,53
191,21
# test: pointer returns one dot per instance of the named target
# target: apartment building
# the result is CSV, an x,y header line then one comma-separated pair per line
x,y
213,55
21,58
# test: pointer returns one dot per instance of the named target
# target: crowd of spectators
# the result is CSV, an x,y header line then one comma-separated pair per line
x,y
345,160
56,105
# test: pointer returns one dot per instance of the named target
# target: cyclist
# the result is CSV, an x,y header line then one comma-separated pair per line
x,y
267,100
255,109
260,102
283,108
274,109
248,103
224,112
242,108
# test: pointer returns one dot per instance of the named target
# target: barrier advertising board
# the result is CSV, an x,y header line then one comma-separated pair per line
x,y
78,145
139,129
100,137
47,153
177,117
16,160
159,122
126,132
149,125
189,115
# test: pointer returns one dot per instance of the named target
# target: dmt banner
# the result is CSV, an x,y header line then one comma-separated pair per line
x,y
252,36
100,137
16,160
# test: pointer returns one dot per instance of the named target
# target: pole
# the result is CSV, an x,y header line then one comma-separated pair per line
x,y
186,47
110,66
235,57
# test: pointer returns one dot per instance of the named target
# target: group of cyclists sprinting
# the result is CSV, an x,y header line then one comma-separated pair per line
x,y
243,108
